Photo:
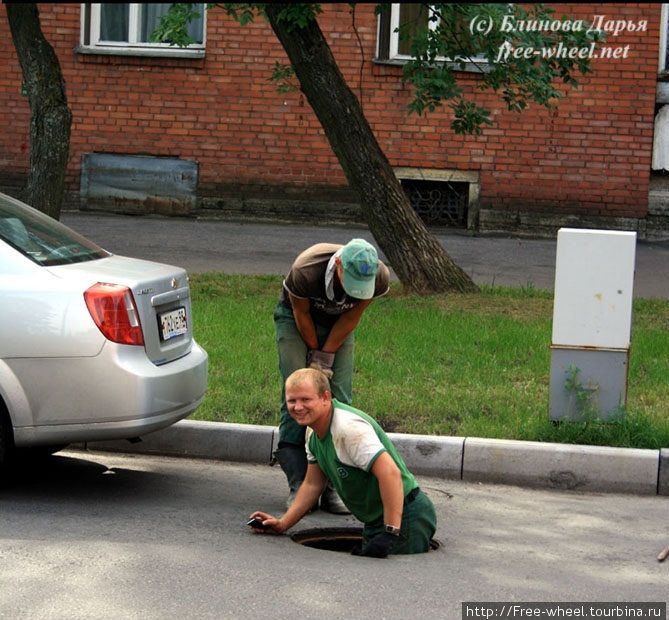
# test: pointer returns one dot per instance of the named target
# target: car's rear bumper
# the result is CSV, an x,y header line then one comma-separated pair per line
x,y
99,431
122,397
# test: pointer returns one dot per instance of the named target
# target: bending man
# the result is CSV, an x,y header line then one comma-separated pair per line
x,y
323,296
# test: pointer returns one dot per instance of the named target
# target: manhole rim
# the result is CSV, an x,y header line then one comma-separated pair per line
x,y
340,533
326,533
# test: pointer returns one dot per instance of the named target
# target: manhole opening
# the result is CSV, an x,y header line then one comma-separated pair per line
x,y
330,538
343,539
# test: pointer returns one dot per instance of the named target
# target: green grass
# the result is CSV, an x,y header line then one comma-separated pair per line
x,y
465,365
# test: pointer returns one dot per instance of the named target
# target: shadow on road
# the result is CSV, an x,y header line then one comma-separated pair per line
x,y
65,476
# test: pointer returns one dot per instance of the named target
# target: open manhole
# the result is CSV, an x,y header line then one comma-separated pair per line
x,y
336,538
330,538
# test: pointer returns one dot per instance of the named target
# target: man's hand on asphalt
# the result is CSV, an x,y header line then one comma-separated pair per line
x,y
271,524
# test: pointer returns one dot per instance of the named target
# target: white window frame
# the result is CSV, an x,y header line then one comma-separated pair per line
x,y
664,36
133,47
393,52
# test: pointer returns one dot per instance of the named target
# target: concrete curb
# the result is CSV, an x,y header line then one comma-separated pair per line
x,y
522,463
663,476
562,466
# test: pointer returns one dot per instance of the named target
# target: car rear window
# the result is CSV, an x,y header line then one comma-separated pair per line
x,y
42,239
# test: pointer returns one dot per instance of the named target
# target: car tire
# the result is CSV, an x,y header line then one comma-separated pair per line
x,y
6,435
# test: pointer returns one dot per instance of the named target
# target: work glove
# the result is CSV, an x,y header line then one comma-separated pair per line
x,y
321,360
378,547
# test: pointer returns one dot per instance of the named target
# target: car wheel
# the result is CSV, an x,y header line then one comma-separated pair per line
x,y
6,435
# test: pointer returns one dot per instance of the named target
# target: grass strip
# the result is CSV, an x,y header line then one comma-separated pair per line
x,y
462,365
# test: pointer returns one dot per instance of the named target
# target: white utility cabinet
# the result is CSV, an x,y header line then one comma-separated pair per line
x,y
592,323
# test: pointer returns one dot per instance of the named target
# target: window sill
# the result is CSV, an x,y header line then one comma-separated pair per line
x,y
469,67
140,51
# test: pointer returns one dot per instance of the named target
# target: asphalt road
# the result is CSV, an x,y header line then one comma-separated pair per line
x,y
95,535
253,248
111,536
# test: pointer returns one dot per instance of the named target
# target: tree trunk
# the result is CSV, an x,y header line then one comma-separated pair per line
x,y
418,259
50,118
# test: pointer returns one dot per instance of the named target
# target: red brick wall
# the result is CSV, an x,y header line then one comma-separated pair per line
x,y
590,155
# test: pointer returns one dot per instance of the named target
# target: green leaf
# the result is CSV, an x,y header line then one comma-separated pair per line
x,y
283,75
512,69
173,26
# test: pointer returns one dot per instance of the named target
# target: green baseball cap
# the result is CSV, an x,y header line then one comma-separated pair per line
x,y
360,263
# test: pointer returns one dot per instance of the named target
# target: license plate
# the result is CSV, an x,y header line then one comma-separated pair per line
x,y
172,323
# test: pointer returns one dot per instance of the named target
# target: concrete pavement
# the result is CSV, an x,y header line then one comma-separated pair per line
x,y
212,245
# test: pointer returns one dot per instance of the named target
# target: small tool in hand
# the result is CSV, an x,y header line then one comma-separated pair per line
x,y
256,523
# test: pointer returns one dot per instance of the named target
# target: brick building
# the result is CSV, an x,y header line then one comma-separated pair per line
x,y
203,131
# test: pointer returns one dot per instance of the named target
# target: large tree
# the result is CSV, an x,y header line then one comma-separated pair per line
x,y
524,64
418,259
50,116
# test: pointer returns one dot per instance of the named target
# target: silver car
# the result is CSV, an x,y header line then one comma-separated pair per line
x,y
93,346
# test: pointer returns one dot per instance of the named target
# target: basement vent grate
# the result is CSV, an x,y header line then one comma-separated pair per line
x,y
438,203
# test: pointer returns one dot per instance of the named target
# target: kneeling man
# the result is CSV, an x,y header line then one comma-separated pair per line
x,y
350,449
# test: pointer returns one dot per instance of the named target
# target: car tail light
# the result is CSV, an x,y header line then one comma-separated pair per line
x,y
113,309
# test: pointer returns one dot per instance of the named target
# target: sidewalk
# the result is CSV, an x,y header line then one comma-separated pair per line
x,y
214,245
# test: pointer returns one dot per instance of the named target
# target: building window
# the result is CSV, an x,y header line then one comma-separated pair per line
x,y
392,48
126,28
